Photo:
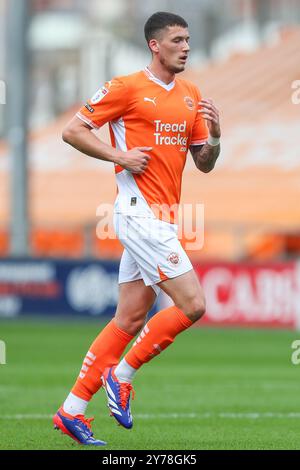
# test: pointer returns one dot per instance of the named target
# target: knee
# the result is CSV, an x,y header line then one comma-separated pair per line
x,y
132,326
195,308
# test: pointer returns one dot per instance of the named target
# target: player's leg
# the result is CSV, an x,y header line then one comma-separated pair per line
x,y
161,330
163,262
159,333
135,300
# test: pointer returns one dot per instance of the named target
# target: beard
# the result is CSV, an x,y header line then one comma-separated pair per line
x,y
172,68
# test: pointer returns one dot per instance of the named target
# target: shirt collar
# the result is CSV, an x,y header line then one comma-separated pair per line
x,y
159,82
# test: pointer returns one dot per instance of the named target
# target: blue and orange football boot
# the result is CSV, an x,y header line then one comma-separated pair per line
x,y
118,397
77,427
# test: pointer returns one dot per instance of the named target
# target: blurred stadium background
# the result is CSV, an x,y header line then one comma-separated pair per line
x,y
54,54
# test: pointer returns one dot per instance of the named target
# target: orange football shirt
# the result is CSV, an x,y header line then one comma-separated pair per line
x,y
143,111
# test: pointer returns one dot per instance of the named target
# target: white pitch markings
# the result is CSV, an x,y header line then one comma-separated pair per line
x,y
208,415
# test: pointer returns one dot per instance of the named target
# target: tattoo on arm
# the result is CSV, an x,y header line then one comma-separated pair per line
x,y
205,156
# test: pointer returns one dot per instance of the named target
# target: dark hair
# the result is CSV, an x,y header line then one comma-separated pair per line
x,y
161,20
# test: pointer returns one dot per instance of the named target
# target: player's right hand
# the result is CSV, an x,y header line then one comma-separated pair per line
x,y
135,160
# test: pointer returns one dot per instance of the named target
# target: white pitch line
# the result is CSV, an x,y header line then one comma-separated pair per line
x,y
208,415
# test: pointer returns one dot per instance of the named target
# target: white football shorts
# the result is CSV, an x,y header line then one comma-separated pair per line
x,y
152,251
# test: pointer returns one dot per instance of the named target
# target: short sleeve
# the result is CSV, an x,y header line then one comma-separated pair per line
x,y
200,129
108,104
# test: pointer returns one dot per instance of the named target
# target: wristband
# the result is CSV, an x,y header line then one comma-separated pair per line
x,y
213,141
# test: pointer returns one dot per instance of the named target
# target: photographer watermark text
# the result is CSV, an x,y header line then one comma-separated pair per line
x,y
2,92
296,354
2,353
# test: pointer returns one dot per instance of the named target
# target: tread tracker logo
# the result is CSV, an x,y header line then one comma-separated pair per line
x,y
164,134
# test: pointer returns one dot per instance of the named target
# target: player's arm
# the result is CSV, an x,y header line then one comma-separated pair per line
x,y
205,156
79,134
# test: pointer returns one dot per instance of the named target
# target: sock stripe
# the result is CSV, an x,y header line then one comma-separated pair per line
x,y
162,329
91,355
105,351
88,361
144,332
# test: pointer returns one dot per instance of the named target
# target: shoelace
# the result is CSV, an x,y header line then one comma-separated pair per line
x,y
86,422
125,390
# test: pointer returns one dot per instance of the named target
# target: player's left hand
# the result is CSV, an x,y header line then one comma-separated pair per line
x,y
211,114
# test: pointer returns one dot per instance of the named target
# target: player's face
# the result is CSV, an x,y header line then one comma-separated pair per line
x,y
173,48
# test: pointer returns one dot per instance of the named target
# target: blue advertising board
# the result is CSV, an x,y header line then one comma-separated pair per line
x,y
55,287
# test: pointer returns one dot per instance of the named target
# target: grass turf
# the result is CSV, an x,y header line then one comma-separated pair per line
x,y
212,389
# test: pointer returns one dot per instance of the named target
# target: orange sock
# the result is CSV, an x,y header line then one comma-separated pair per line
x,y
105,351
157,335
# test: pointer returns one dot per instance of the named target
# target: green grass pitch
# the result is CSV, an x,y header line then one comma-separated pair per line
x,y
212,389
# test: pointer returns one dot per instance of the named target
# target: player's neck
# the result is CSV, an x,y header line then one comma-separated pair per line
x,y
161,73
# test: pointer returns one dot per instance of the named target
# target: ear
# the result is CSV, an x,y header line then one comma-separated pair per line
x,y
154,45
